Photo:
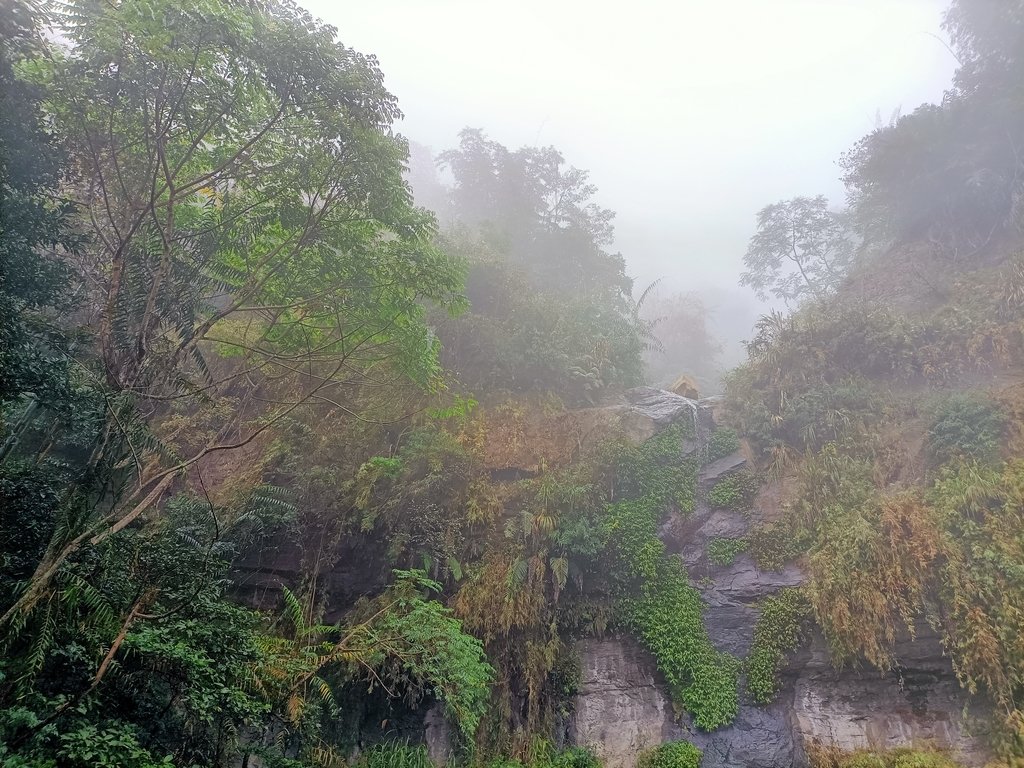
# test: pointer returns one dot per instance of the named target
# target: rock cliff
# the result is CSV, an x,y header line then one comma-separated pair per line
x,y
623,706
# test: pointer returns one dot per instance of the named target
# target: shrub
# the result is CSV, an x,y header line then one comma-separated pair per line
x,y
965,427
722,551
903,757
773,545
544,755
395,755
723,442
674,754
736,491
113,746
578,757
778,631
864,760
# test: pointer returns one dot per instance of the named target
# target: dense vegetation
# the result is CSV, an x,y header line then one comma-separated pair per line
x,y
286,460
871,402
223,327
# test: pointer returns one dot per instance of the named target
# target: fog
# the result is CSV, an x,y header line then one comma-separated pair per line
x,y
690,116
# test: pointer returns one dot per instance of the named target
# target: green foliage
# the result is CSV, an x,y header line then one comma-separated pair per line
x,y
34,224
913,758
418,646
935,203
661,606
252,193
820,375
879,560
657,470
109,747
179,684
542,754
723,442
542,211
947,172
550,308
393,755
29,494
780,628
722,551
735,491
981,516
673,754
965,427
668,618
774,544
902,757
519,338
412,507
800,249
576,757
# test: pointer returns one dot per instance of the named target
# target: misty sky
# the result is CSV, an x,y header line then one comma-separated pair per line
x,y
690,115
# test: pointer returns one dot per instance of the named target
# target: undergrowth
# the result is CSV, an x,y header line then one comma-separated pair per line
x,y
723,551
673,754
735,491
779,630
662,607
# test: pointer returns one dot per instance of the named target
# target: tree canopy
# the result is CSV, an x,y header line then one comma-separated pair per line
x,y
801,248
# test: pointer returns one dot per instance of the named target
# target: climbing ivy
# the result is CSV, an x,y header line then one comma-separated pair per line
x,y
722,551
723,442
668,619
659,604
658,471
779,630
736,491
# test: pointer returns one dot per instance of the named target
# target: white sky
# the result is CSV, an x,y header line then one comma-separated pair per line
x,y
690,115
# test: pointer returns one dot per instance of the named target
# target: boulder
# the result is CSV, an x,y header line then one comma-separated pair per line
x,y
621,708
686,387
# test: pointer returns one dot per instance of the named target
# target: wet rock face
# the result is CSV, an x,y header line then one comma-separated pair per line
x,y
621,708
438,737
759,738
661,407
920,702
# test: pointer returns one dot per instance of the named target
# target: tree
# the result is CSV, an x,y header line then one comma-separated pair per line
x,y
950,174
518,337
800,248
686,345
541,212
551,307
34,227
242,192
988,39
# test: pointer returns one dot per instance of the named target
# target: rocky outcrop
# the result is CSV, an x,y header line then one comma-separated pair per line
x,y
438,736
622,706
919,702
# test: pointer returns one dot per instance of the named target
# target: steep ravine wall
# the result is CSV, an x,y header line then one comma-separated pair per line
x,y
623,707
